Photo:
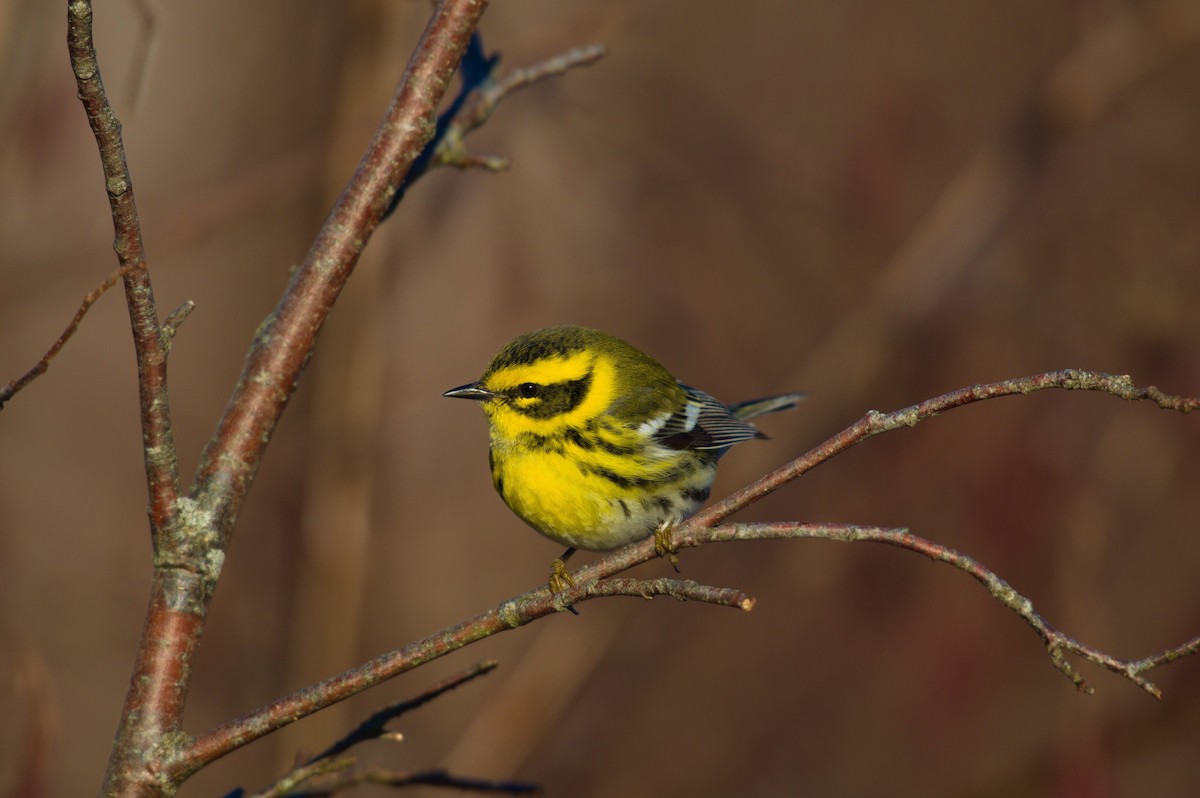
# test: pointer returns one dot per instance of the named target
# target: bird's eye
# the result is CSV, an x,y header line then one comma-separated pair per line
x,y
528,390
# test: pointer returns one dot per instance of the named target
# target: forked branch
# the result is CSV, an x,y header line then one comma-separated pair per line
x,y
593,580
483,100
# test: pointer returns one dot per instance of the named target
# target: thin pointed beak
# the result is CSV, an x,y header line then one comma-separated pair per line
x,y
472,390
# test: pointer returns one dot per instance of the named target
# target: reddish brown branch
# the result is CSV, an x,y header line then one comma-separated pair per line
x,y
191,533
875,422
39,368
154,704
162,476
1057,643
286,339
592,581
678,589
512,614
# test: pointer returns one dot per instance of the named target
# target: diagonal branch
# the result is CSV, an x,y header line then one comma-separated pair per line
x,y
162,471
484,99
592,581
286,338
1058,644
874,423
39,368
375,726
431,778
512,614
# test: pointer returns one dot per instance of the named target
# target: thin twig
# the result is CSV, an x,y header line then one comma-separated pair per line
x,y
678,589
483,101
1057,643
39,368
373,727
441,778
429,778
323,767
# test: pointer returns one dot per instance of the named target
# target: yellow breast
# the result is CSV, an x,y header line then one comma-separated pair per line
x,y
582,502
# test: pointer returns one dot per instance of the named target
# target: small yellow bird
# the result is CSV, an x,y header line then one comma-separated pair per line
x,y
595,445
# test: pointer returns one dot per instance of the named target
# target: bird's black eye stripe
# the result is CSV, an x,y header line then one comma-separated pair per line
x,y
555,399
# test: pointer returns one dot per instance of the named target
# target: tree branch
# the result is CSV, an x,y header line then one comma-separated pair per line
x,y
1057,643
286,338
512,614
874,423
483,101
191,533
158,687
431,778
39,368
162,471
374,726
592,581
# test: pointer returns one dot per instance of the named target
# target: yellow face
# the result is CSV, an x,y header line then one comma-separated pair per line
x,y
549,395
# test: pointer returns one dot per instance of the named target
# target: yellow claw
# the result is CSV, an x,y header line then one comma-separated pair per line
x,y
560,577
663,545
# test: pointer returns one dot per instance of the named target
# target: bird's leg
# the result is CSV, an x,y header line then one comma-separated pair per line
x,y
663,545
560,578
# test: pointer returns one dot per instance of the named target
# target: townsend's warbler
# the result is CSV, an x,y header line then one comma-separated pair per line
x,y
594,444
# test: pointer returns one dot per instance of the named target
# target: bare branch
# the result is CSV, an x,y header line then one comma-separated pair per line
x,y
39,368
373,727
287,337
171,325
191,533
297,777
162,476
874,423
1057,643
482,103
441,778
153,709
681,590
425,778
590,580
512,614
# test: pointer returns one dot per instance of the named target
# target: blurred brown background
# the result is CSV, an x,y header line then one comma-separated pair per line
x,y
872,202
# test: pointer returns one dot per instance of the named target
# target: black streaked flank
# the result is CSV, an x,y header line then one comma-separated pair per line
x,y
615,448
663,503
612,476
575,436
